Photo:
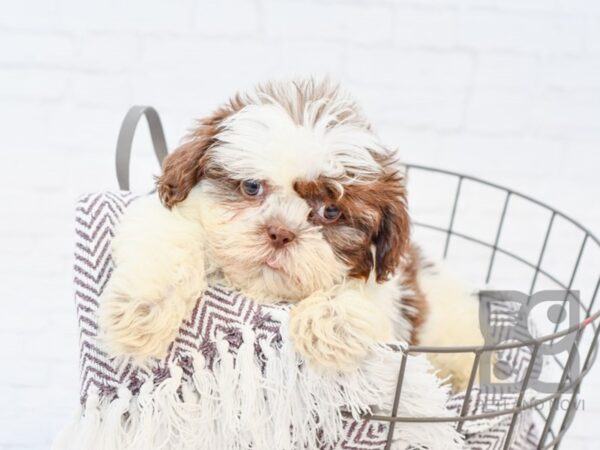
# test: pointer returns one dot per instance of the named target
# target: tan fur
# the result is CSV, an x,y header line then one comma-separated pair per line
x,y
159,275
336,332
452,321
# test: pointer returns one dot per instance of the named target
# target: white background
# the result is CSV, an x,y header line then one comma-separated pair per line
x,y
508,90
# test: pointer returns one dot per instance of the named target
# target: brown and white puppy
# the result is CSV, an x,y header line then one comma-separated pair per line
x,y
286,194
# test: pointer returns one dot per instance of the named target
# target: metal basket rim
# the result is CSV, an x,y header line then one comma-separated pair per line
x,y
567,385
483,348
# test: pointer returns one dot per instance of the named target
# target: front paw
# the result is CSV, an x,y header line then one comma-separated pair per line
x,y
140,328
336,333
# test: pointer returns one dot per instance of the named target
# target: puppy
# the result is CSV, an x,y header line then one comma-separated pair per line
x,y
285,194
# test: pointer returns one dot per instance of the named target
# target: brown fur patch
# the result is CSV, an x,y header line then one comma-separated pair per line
x,y
184,168
373,214
416,301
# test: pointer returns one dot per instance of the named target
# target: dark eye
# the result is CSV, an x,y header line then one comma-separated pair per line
x,y
330,212
252,188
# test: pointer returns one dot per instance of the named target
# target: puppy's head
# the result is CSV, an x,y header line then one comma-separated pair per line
x,y
295,191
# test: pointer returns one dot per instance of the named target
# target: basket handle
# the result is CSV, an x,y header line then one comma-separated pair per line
x,y
128,127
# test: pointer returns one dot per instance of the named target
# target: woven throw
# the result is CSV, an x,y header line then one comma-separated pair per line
x,y
231,379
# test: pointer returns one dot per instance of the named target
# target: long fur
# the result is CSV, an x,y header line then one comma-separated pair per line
x,y
354,279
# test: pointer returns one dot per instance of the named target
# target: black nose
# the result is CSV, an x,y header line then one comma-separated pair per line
x,y
279,236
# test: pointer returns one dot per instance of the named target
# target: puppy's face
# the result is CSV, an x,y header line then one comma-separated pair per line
x,y
294,191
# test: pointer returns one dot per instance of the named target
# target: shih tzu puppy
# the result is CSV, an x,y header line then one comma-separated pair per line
x,y
286,194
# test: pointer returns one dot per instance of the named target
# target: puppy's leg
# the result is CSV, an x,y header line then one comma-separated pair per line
x,y
158,277
335,330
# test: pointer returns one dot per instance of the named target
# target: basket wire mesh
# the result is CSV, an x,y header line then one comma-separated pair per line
x,y
555,411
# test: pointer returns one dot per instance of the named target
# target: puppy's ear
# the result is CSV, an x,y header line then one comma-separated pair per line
x,y
393,235
184,168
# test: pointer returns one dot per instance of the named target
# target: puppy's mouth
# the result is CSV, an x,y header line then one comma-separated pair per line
x,y
277,259
273,262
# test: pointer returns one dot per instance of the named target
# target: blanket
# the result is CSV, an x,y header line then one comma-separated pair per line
x,y
232,380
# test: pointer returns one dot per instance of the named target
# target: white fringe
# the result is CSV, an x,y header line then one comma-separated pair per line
x,y
235,407
422,395
143,432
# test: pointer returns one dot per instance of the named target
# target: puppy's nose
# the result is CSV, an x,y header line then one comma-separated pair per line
x,y
280,236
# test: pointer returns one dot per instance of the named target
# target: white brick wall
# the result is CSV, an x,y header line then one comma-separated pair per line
x,y
505,89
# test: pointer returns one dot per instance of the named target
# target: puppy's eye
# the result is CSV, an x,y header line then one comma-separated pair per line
x,y
252,188
330,212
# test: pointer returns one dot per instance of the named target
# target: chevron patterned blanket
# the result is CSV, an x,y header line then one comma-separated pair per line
x,y
232,381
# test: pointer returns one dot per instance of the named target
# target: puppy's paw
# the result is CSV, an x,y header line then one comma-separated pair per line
x,y
336,333
139,327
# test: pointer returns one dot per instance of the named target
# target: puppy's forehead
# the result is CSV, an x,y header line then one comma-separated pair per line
x,y
266,142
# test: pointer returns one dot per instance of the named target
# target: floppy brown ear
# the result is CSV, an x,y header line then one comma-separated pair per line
x,y
184,168
393,235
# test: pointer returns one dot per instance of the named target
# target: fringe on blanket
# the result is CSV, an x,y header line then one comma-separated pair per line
x,y
241,403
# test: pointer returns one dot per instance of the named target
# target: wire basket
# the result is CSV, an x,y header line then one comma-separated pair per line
x,y
501,238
